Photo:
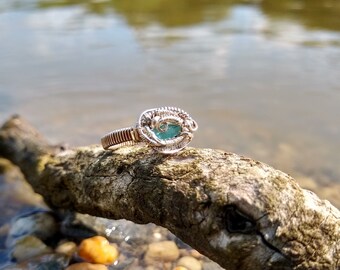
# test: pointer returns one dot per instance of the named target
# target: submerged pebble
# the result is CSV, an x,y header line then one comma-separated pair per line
x,y
161,251
29,247
180,268
98,250
190,263
67,248
210,265
44,262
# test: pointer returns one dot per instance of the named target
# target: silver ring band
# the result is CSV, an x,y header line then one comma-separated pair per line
x,y
166,130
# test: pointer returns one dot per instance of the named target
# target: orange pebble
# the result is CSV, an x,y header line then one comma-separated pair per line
x,y
97,250
86,266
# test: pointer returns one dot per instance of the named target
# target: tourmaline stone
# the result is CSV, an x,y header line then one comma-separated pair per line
x,y
170,132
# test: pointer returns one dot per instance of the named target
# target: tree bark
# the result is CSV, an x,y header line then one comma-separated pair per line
x,y
239,212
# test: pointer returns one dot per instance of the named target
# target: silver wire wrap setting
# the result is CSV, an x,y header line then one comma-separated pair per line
x,y
166,130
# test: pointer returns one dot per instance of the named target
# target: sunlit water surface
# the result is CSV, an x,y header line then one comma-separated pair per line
x,y
261,78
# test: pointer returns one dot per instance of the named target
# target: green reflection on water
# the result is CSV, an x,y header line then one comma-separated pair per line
x,y
314,14
168,13
319,14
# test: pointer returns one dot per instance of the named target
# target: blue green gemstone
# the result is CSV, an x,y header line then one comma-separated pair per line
x,y
170,132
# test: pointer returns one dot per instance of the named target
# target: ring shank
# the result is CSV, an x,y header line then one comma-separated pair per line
x,y
120,137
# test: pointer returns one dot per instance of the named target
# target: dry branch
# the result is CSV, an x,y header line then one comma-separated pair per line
x,y
241,213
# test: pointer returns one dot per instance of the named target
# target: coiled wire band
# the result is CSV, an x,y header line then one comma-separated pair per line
x,y
124,136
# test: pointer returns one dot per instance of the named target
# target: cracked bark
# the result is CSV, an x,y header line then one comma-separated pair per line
x,y
241,213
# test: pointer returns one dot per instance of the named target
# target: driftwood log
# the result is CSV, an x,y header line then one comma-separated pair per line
x,y
239,212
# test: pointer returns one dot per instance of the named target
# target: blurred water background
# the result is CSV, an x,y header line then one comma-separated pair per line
x,y
262,78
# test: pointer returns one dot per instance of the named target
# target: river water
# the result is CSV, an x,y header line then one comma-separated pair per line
x,y
262,78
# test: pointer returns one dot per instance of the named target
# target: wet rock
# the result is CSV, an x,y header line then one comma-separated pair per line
x,y
120,231
86,266
161,251
67,248
15,193
77,226
190,263
28,247
39,223
98,250
44,262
